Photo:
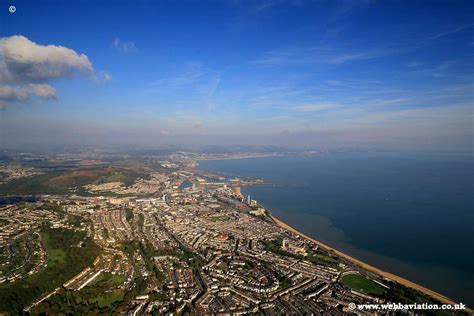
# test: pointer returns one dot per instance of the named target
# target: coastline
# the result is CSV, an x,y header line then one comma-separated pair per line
x,y
369,267
385,274
237,157
256,155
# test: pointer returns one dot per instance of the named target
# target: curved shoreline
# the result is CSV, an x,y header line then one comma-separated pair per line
x,y
369,267
442,298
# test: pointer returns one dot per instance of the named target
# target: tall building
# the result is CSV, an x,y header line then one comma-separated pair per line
x,y
248,199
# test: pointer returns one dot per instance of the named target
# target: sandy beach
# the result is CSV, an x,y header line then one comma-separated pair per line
x,y
368,267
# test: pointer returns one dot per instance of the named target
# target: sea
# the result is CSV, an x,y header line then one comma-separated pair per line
x,y
408,214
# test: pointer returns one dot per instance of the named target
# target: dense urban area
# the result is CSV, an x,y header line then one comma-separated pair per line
x,y
101,233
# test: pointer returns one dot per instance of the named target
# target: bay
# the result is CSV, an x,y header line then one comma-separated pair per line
x,y
409,214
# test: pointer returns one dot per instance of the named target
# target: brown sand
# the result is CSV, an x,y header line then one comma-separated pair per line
x,y
368,267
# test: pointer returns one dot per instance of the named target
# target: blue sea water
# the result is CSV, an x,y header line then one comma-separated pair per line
x,y
185,184
409,214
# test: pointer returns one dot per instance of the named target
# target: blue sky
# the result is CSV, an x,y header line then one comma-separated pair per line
x,y
320,74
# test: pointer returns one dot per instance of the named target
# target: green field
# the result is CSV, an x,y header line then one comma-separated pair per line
x,y
360,283
55,255
105,300
108,280
219,218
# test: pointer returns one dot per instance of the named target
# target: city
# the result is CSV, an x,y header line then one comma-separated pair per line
x,y
172,239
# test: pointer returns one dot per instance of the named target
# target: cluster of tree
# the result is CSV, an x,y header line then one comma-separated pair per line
x,y
275,246
37,184
283,281
100,297
74,220
129,215
405,295
14,297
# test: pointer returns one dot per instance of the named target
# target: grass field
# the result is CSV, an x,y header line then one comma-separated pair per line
x,y
360,283
107,299
219,218
55,255
107,280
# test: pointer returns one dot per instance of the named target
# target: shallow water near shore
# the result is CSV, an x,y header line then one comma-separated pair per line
x,y
409,214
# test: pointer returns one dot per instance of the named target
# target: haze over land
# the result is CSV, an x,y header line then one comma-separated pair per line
x,y
319,74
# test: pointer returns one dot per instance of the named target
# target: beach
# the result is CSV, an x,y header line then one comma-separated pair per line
x,y
368,267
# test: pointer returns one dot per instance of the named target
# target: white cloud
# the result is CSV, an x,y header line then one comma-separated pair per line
x,y
107,76
124,47
452,31
103,77
322,55
23,60
190,74
26,68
